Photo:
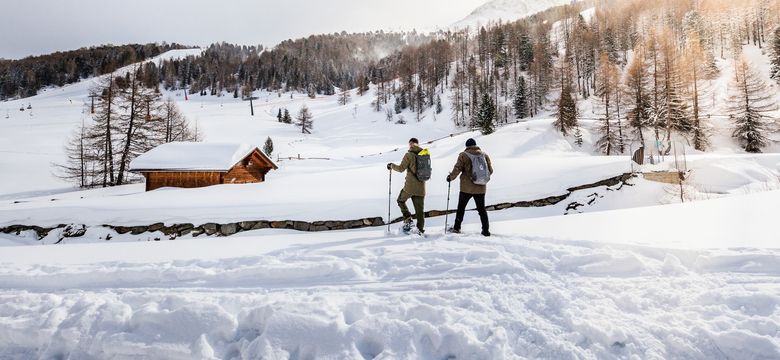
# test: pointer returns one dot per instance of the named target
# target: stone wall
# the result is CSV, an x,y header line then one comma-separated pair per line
x,y
227,229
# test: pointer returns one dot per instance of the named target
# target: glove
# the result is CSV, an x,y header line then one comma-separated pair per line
x,y
389,166
448,178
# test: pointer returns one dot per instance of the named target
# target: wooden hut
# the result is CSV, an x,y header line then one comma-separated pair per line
x,y
194,164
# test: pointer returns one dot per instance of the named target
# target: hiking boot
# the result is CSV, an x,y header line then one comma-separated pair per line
x,y
453,230
407,225
485,233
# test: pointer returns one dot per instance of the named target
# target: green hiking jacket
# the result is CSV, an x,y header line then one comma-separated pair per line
x,y
412,186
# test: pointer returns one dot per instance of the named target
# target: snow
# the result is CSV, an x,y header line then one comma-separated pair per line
x,y
192,156
620,277
506,10
362,294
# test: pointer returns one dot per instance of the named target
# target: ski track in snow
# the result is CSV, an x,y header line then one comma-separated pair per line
x,y
454,296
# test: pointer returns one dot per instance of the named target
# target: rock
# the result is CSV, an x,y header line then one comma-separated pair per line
x,y
301,226
168,230
121,229
198,231
228,229
503,206
210,228
261,225
377,221
137,230
247,225
184,229
156,227
318,228
366,222
73,230
278,224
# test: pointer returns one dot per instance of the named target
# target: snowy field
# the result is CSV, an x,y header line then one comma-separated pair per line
x,y
635,276
363,295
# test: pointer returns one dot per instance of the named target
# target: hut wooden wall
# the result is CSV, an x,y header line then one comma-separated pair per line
x,y
193,179
246,172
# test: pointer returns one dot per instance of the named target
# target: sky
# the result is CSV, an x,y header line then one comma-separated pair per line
x,y
33,27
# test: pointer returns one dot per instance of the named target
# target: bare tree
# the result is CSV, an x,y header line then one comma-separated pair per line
x,y
305,120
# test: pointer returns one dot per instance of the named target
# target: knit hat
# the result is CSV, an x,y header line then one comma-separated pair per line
x,y
471,142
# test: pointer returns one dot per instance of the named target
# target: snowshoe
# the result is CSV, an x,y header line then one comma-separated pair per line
x,y
407,227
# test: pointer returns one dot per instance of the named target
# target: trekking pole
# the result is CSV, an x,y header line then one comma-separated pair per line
x,y
447,213
389,196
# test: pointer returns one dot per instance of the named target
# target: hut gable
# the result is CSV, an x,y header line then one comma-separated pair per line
x,y
190,164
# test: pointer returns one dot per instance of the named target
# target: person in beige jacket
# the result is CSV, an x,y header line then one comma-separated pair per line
x,y
468,189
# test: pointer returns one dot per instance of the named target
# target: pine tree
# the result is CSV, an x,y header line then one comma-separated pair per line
x,y
268,147
287,119
775,56
439,108
749,101
486,115
521,99
305,120
566,116
279,115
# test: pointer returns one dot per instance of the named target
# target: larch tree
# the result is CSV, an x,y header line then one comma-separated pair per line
x,y
696,68
637,83
749,102
775,56
101,134
606,88
344,94
305,120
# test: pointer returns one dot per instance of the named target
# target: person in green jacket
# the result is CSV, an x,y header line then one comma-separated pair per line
x,y
413,188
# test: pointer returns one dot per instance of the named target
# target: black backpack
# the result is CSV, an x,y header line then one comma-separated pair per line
x,y
423,165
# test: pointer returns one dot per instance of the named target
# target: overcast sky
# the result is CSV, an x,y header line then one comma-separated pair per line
x,y
31,27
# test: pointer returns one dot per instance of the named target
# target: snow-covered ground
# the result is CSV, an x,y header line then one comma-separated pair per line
x,y
637,291
629,278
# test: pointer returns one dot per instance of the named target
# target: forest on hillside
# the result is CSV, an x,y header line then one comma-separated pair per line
x,y
645,67
24,77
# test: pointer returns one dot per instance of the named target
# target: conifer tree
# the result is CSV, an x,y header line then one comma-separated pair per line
x,y
637,83
486,115
305,120
749,102
279,115
775,56
606,87
566,116
268,146
287,119
521,99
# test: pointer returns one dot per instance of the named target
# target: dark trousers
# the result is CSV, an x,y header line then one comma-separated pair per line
x,y
463,200
419,204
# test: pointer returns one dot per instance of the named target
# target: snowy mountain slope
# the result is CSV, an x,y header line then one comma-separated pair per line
x,y
506,10
33,139
535,290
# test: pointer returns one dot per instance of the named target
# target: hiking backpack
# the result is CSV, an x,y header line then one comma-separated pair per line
x,y
423,165
480,174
